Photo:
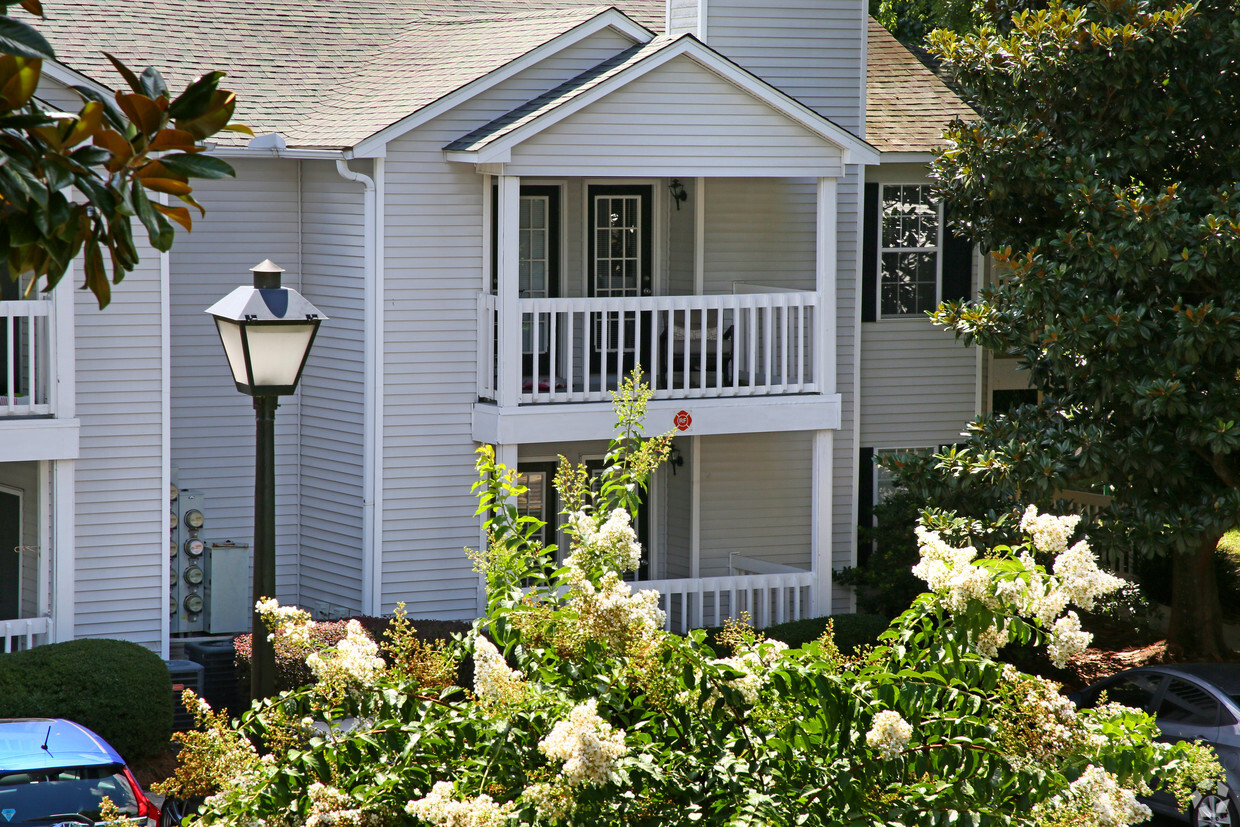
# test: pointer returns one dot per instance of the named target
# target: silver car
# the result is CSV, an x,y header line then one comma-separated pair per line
x,y
1190,701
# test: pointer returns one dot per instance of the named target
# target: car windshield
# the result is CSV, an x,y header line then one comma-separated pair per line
x,y
35,795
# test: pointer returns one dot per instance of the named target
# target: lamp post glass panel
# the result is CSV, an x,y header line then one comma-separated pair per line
x,y
267,331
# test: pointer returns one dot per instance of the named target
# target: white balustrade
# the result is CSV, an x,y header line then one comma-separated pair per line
x,y
25,633
25,358
578,349
693,602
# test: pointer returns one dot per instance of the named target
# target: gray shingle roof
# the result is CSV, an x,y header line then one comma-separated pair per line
x,y
319,72
906,105
329,73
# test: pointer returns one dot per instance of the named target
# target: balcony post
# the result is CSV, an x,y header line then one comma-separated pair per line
x,y
508,205
824,314
820,521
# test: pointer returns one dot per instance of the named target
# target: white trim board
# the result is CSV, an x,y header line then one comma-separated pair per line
x,y
572,422
31,440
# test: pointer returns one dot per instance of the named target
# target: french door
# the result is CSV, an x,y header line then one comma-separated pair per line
x,y
619,262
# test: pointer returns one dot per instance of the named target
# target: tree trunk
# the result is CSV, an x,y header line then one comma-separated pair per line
x,y
1196,628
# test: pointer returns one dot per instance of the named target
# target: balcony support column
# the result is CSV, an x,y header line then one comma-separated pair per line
x,y
508,206
820,521
824,315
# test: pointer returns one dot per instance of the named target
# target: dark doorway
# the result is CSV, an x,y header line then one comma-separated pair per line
x,y
619,261
10,560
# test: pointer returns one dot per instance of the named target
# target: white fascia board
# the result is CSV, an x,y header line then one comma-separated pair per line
x,y
906,157
597,420
855,150
289,152
30,440
71,77
611,18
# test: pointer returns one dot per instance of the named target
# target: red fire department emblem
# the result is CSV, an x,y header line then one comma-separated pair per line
x,y
682,420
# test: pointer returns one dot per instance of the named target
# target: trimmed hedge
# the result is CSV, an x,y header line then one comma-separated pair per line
x,y
118,689
851,631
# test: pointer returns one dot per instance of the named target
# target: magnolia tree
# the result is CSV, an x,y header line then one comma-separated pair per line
x,y
583,710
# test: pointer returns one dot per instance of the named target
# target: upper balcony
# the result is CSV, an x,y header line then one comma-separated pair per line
x,y
26,359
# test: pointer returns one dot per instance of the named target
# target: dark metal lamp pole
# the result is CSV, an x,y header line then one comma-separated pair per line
x,y
267,331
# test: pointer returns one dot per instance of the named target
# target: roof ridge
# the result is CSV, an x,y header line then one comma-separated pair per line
x,y
525,14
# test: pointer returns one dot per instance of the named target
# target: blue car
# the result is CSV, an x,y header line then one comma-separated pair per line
x,y
1190,702
56,772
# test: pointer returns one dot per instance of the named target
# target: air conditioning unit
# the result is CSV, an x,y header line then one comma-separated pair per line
x,y
186,674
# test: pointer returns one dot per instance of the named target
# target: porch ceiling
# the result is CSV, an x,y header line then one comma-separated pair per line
x,y
670,107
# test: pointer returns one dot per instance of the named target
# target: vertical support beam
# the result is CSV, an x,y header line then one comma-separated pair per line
x,y
695,507
165,422
62,361
63,547
699,236
485,365
820,520
43,539
654,522
824,317
508,204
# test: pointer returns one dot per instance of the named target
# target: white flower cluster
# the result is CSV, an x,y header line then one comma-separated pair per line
x,y
889,735
441,807
613,545
354,662
950,571
991,640
1081,579
755,662
588,746
1047,723
288,621
493,680
552,801
1050,533
1067,639
329,807
610,612
1096,799
1031,593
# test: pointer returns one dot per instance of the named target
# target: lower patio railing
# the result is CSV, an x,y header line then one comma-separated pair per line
x,y
25,633
693,602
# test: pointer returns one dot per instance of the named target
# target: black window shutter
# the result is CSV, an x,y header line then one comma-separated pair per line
x,y
865,500
957,267
869,255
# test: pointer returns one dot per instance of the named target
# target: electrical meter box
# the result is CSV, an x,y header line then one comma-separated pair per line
x,y
190,563
228,589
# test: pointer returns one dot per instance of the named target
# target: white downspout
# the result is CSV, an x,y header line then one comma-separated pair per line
x,y
372,413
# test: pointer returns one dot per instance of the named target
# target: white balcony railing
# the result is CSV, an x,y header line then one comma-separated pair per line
x,y
692,602
577,349
17,635
25,358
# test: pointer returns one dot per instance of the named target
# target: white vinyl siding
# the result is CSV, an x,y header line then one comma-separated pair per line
x,y
682,16
433,271
122,506
250,218
755,499
332,416
918,384
811,49
668,123
678,519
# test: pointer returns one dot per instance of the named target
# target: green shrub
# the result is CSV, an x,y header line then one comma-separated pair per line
x,y
119,689
851,631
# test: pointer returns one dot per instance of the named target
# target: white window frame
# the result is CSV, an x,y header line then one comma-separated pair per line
x,y
883,476
937,250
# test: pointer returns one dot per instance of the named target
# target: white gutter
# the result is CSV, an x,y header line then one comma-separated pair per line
x,y
372,407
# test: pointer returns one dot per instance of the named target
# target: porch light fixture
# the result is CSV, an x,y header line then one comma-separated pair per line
x,y
267,331
677,190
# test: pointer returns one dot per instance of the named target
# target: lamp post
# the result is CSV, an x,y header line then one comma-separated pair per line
x,y
267,331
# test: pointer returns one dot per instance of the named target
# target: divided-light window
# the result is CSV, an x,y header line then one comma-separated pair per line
x,y
909,252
